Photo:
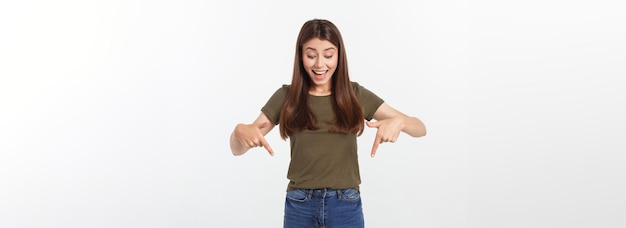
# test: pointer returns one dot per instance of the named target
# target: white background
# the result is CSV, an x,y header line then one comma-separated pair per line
x,y
118,113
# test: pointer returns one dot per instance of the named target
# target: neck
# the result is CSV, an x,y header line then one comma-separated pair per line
x,y
320,91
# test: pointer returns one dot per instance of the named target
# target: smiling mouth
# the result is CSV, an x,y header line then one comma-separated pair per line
x,y
320,72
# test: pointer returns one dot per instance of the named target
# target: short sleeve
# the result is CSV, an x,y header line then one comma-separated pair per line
x,y
368,100
273,106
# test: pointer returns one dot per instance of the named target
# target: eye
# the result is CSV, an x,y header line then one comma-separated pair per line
x,y
311,56
328,56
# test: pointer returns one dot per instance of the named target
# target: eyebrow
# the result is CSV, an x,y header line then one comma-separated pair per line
x,y
310,48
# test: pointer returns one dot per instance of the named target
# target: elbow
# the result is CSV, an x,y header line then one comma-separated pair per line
x,y
237,152
235,147
423,129
419,134
423,132
419,129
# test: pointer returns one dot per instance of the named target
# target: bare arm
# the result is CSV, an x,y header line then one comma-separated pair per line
x,y
410,125
390,122
246,136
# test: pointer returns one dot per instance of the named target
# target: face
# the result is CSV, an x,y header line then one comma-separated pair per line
x,y
319,58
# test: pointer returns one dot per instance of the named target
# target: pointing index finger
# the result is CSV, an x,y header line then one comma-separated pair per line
x,y
377,142
267,146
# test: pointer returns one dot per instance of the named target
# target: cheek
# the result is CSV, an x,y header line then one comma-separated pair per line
x,y
307,63
332,63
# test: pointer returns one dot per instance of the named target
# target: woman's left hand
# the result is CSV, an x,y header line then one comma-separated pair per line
x,y
388,131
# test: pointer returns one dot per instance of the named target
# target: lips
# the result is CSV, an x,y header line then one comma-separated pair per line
x,y
320,72
319,75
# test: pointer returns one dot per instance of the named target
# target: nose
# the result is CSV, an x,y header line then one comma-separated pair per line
x,y
319,63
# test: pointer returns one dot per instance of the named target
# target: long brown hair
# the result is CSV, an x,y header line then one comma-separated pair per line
x,y
296,114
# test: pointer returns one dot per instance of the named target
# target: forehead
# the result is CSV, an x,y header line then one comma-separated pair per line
x,y
318,44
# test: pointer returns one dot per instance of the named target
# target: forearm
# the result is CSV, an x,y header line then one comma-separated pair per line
x,y
413,126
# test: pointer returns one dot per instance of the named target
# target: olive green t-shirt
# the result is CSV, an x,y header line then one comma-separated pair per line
x,y
319,158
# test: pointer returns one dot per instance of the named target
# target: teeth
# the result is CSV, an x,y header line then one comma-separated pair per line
x,y
319,72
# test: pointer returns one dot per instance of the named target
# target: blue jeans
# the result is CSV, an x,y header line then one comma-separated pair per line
x,y
326,208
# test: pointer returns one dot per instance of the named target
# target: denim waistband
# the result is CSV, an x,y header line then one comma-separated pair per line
x,y
323,191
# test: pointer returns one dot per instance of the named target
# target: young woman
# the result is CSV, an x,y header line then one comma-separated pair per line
x,y
322,112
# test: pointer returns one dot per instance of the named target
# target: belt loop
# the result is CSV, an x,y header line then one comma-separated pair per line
x,y
339,194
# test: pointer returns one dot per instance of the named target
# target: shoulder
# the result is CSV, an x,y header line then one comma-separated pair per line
x,y
283,89
278,96
363,93
359,90
281,92
356,87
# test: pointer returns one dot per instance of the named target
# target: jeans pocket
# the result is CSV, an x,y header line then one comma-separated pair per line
x,y
350,195
297,195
